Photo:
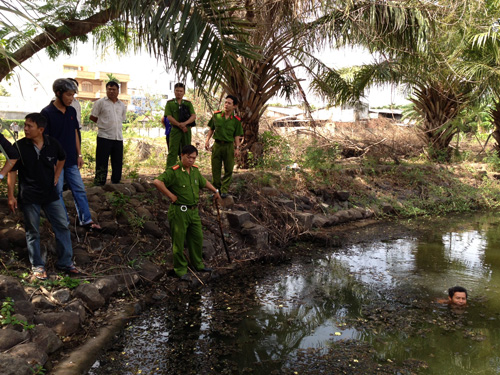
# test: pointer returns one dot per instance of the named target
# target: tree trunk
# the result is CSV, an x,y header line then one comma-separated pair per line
x,y
438,107
495,114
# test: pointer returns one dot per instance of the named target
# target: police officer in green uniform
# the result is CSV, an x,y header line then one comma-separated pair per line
x,y
226,128
181,184
180,135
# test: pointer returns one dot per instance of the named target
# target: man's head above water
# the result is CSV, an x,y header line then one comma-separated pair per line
x,y
457,295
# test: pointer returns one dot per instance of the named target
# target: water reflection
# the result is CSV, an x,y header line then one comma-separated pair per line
x,y
381,293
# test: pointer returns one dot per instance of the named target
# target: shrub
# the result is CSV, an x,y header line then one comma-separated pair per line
x,y
320,157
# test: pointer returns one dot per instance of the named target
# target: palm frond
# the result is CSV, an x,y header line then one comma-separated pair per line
x,y
200,37
337,88
389,26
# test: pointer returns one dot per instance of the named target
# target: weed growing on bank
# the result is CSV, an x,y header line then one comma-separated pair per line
x,y
7,316
119,203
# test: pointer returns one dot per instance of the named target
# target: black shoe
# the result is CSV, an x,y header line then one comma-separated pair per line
x,y
205,269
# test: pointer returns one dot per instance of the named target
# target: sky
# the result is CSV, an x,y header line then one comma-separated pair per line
x,y
32,86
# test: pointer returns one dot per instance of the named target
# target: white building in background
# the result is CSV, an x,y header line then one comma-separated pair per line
x,y
278,112
27,95
341,114
296,116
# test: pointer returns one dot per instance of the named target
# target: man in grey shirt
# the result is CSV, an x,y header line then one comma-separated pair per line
x,y
109,113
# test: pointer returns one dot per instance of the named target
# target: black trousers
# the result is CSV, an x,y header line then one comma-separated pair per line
x,y
105,149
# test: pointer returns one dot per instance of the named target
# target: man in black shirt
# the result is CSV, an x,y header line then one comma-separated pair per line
x,y
41,163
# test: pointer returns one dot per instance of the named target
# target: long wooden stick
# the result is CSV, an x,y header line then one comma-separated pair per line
x,y
195,275
221,231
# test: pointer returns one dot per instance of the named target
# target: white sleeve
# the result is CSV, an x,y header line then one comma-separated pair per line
x,y
96,109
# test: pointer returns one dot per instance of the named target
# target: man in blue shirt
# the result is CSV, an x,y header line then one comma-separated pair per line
x,y
62,124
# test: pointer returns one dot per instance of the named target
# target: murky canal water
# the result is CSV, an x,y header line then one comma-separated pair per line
x,y
368,308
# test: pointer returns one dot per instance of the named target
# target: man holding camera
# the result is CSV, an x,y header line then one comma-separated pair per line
x,y
180,113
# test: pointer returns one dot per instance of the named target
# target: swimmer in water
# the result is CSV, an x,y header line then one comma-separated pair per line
x,y
457,296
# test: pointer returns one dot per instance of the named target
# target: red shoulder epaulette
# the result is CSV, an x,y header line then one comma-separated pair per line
x,y
237,118
194,165
217,112
176,167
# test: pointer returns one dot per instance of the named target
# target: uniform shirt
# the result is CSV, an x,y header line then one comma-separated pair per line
x,y
62,127
110,118
225,128
186,186
36,170
10,150
172,108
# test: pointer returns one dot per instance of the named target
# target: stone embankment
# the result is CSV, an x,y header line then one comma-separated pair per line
x,y
130,259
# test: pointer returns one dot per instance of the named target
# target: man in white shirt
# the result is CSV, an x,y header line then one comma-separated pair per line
x,y
109,113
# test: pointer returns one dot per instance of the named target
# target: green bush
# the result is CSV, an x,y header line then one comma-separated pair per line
x,y
493,160
276,152
316,157
88,148
118,202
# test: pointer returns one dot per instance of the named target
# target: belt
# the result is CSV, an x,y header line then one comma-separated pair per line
x,y
185,207
221,142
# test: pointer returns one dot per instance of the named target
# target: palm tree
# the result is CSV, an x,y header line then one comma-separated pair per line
x,y
478,59
289,32
112,78
439,91
438,104
464,73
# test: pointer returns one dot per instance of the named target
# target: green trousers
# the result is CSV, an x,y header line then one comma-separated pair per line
x,y
185,227
222,153
177,140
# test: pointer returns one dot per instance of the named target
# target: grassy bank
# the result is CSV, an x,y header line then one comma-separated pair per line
x,y
377,163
